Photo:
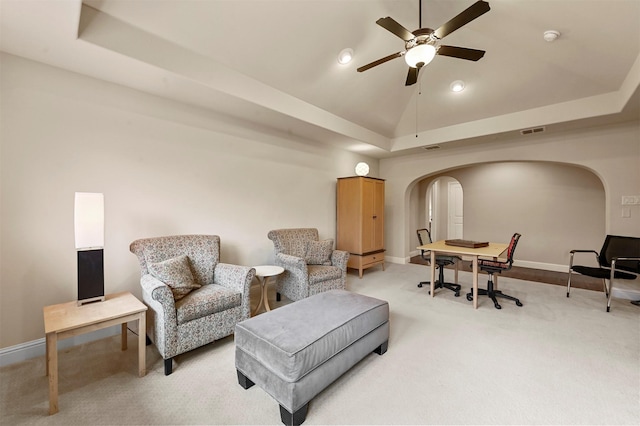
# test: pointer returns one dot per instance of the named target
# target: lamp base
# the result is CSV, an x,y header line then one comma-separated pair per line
x,y
90,276
92,300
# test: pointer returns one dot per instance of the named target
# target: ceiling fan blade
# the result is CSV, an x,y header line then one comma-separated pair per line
x,y
475,10
460,52
412,76
380,61
390,24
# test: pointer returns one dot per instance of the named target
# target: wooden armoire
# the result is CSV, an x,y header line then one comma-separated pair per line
x,y
360,221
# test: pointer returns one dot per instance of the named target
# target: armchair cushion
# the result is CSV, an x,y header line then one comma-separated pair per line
x,y
205,301
319,252
320,273
176,273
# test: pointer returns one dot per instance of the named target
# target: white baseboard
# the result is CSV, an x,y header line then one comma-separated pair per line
x,y
399,260
36,348
539,265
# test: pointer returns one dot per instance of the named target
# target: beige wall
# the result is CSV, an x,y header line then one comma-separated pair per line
x,y
610,155
164,168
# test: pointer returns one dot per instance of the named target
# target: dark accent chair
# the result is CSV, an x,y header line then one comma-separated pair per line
x,y
424,237
497,266
619,259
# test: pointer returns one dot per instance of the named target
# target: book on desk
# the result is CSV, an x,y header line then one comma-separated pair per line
x,y
466,243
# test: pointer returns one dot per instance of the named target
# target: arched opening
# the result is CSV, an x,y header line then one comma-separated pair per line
x,y
444,208
555,206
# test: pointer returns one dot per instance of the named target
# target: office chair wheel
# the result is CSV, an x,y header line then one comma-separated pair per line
x,y
518,303
497,305
457,294
420,285
470,297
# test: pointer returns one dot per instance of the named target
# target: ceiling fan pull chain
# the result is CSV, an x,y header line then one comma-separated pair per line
x,y
419,93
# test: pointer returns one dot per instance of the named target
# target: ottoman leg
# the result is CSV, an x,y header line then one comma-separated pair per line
x,y
244,380
380,350
296,418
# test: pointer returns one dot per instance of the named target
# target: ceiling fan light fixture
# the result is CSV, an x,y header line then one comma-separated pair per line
x,y
422,53
457,86
345,56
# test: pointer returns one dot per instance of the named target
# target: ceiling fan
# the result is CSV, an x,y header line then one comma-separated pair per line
x,y
423,44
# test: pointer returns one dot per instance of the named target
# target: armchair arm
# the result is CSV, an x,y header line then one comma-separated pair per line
x,y
237,278
234,277
157,293
158,296
290,262
339,258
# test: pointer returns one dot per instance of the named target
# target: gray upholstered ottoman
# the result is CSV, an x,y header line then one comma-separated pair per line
x,y
296,351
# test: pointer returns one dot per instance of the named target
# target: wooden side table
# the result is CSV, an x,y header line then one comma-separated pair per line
x,y
68,319
263,273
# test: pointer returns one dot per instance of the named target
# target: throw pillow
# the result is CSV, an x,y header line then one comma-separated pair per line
x,y
175,273
319,252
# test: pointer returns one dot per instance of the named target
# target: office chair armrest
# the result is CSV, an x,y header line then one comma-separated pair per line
x,y
622,269
572,252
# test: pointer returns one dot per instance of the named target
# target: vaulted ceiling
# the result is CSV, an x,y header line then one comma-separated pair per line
x,y
274,63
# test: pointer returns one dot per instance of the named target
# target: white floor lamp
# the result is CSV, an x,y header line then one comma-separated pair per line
x,y
89,233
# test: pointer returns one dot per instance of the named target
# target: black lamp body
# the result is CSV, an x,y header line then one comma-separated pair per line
x,y
90,276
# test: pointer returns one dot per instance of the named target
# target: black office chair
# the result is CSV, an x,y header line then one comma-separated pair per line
x,y
424,237
495,266
619,259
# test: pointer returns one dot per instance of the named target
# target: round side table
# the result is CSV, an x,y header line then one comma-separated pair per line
x,y
263,273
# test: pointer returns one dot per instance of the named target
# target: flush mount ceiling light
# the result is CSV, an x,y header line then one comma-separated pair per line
x,y
420,55
551,35
457,86
345,56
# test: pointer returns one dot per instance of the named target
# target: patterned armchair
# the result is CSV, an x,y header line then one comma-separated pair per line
x,y
310,266
193,299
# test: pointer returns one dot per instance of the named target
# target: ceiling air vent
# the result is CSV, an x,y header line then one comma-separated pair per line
x,y
431,147
532,130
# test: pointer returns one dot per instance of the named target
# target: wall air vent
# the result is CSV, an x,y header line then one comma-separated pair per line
x,y
431,147
532,130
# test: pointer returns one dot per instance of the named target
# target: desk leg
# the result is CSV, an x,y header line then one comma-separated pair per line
x,y
123,336
475,281
433,272
142,344
52,370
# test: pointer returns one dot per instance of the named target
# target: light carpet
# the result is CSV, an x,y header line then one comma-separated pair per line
x,y
556,360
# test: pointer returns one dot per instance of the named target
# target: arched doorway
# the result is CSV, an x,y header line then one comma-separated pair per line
x,y
555,206
444,209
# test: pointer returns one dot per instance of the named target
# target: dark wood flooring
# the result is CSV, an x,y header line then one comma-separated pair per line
x,y
537,275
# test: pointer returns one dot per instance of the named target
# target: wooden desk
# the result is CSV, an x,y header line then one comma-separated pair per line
x,y
492,250
68,319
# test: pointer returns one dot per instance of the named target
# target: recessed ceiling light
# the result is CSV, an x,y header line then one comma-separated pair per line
x,y
345,56
551,35
457,86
